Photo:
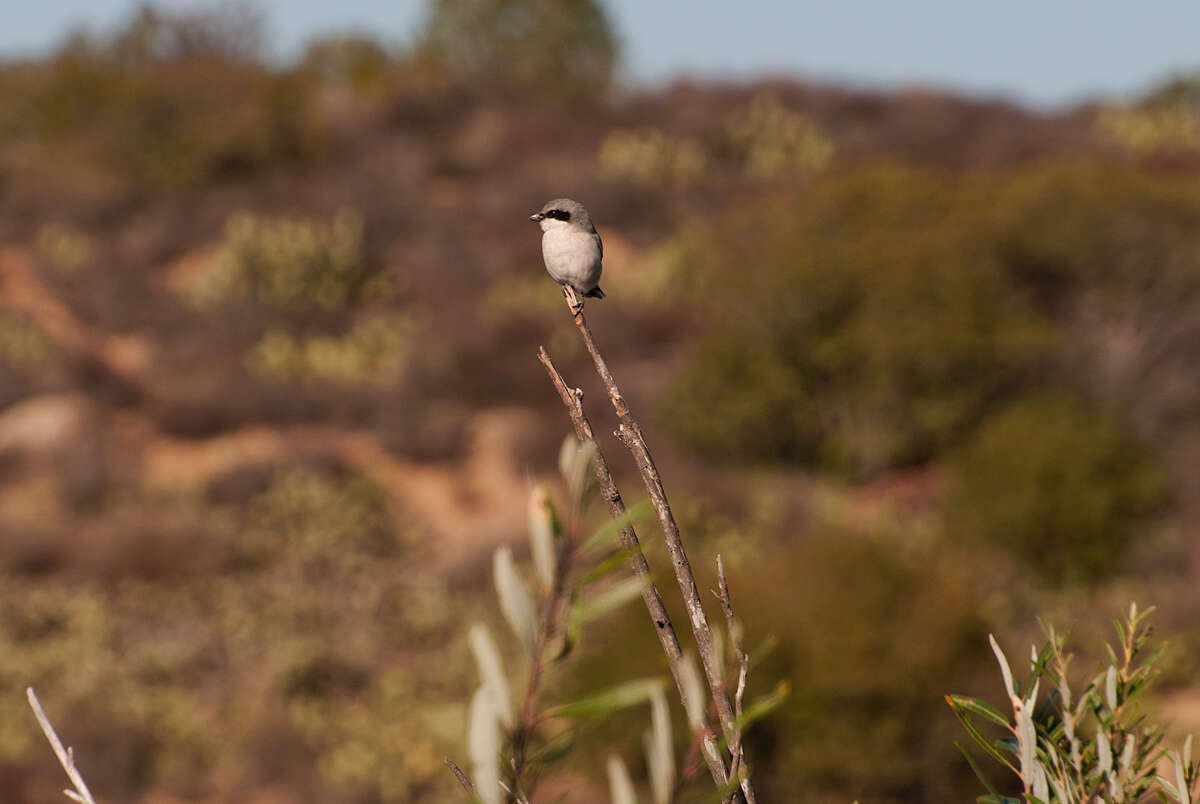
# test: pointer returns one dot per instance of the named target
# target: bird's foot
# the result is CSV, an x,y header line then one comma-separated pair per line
x,y
573,300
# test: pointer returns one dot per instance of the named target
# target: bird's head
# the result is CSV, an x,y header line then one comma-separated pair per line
x,y
562,212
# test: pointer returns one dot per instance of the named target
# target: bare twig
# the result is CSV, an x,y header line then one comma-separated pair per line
x,y
572,399
458,774
738,767
66,756
630,433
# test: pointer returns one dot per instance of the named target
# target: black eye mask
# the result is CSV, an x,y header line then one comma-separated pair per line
x,y
557,214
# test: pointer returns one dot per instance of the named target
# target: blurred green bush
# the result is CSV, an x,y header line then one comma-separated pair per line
x,y
763,140
1058,484
292,264
771,139
355,61
374,350
541,48
24,347
875,319
651,157
309,647
170,101
866,625
862,325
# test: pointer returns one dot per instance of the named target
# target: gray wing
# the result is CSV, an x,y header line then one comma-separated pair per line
x,y
599,244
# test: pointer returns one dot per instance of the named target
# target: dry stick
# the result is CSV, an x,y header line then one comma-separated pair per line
x,y
66,756
650,596
458,774
737,768
630,433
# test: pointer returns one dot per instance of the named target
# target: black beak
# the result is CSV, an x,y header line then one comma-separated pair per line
x,y
537,216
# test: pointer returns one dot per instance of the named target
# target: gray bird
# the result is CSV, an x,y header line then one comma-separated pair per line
x,y
571,248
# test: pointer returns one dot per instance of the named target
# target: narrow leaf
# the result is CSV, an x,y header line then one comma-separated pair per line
x,y
1103,751
543,532
660,748
983,741
978,771
613,597
483,746
695,701
763,706
1110,688
566,456
606,534
619,784
1041,787
491,672
604,703
1185,795
575,464
614,562
573,630
514,597
981,708
1005,670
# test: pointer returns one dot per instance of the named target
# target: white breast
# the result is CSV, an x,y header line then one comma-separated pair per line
x,y
572,257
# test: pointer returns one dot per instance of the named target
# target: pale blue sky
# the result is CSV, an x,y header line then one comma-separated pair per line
x,y
1044,52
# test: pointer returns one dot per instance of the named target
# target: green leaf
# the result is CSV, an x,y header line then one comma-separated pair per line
x,y
613,562
763,706
613,597
602,704
983,741
557,749
981,708
763,650
606,534
573,630
978,771
1165,784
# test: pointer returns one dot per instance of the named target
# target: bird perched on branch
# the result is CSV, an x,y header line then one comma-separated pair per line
x,y
572,249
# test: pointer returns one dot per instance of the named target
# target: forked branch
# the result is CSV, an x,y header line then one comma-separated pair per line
x,y
572,399
630,433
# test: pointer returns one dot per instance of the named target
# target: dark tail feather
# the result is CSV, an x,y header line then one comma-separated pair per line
x,y
595,293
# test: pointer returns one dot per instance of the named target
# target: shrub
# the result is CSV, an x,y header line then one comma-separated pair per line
x,y
1149,130
1059,485
24,347
292,264
860,326
375,350
875,320
1069,744
557,48
770,139
167,102
356,61
651,157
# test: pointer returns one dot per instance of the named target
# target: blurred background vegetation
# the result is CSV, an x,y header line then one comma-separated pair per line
x,y
920,366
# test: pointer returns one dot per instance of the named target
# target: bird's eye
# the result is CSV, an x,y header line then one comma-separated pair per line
x,y
559,215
